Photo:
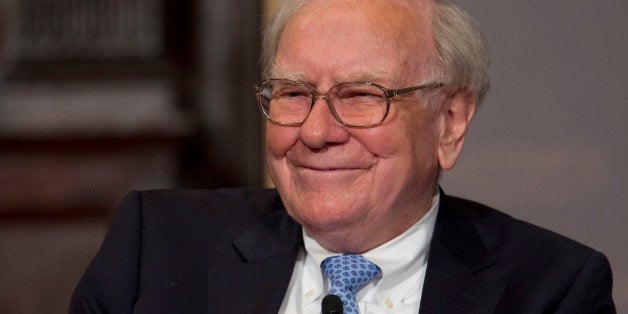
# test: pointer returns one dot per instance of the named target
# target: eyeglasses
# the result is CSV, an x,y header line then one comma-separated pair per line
x,y
359,105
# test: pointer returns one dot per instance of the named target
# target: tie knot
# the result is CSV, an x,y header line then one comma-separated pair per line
x,y
348,273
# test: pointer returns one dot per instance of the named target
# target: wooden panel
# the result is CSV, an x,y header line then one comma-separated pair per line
x,y
90,29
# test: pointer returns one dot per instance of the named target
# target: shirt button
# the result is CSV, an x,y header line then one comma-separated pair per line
x,y
389,304
309,294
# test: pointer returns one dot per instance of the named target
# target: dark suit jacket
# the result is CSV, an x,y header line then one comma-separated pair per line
x,y
233,251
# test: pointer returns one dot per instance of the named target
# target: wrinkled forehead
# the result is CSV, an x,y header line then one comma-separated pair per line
x,y
404,25
403,19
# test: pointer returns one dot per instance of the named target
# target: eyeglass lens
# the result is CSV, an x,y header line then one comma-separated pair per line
x,y
354,104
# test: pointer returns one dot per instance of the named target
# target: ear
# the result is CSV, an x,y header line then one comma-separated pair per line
x,y
455,117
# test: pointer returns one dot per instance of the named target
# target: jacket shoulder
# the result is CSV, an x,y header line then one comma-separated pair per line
x,y
543,270
502,231
213,217
261,200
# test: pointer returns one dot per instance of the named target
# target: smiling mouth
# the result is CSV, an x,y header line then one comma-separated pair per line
x,y
329,166
329,170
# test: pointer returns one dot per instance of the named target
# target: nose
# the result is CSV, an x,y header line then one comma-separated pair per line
x,y
321,128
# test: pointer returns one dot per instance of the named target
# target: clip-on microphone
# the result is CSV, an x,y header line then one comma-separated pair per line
x,y
332,304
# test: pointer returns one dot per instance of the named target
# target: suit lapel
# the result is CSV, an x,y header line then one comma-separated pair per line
x,y
459,277
259,284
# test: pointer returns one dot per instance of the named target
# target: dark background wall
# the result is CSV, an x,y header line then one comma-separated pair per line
x,y
100,97
550,144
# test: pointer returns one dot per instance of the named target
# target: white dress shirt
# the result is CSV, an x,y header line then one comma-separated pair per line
x,y
403,261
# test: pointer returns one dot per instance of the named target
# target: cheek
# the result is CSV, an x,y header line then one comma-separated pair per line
x,y
405,146
279,140
403,138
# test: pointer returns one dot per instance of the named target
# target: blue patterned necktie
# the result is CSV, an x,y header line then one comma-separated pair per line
x,y
348,273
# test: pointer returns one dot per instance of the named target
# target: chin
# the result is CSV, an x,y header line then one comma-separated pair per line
x,y
325,216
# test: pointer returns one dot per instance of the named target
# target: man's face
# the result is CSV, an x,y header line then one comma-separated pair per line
x,y
345,182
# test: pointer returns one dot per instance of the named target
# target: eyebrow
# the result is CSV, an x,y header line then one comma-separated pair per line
x,y
289,75
375,76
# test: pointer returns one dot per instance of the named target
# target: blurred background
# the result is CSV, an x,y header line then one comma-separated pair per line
x,y
100,97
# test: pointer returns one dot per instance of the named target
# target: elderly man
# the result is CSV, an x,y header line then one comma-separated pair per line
x,y
366,103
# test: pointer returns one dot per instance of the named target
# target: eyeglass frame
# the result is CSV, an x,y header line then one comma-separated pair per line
x,y
315,95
